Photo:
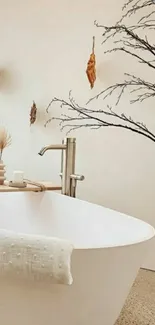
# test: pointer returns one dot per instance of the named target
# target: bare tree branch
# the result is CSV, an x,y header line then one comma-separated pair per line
x,y
131,7
113,31
122,49
134,45
142,88
131,39
93,119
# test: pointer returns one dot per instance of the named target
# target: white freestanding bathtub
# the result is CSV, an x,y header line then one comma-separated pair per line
x,y
109,249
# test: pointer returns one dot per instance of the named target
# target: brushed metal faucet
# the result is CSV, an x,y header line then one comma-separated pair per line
x,y
68,177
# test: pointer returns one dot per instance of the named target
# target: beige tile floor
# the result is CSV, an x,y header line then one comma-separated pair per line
x,y
140,305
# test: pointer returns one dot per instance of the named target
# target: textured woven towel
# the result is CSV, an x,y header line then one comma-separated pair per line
x,y
35,258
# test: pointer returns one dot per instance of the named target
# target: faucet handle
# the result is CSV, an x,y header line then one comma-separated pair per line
x,y
77,177
74,178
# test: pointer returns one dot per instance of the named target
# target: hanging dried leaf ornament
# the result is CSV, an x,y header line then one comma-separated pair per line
x,y
91,66
33,113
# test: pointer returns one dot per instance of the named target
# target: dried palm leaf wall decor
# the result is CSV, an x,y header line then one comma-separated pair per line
x,y
33,113
91,66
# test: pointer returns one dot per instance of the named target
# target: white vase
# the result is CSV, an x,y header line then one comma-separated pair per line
x,y
2,172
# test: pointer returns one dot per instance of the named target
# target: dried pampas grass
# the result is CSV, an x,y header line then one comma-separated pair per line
x,y
5,140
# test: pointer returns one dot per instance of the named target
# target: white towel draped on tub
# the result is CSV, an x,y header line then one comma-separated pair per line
x,y
35,258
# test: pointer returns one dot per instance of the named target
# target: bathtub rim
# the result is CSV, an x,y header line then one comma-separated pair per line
x,y
147,238
150,231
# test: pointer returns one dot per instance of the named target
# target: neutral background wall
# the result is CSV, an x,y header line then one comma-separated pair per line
x,y
44,50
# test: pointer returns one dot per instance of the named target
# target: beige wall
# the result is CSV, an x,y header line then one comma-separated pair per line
x,y
44,50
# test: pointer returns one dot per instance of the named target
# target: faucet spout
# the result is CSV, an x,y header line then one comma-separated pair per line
x,y
52,147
